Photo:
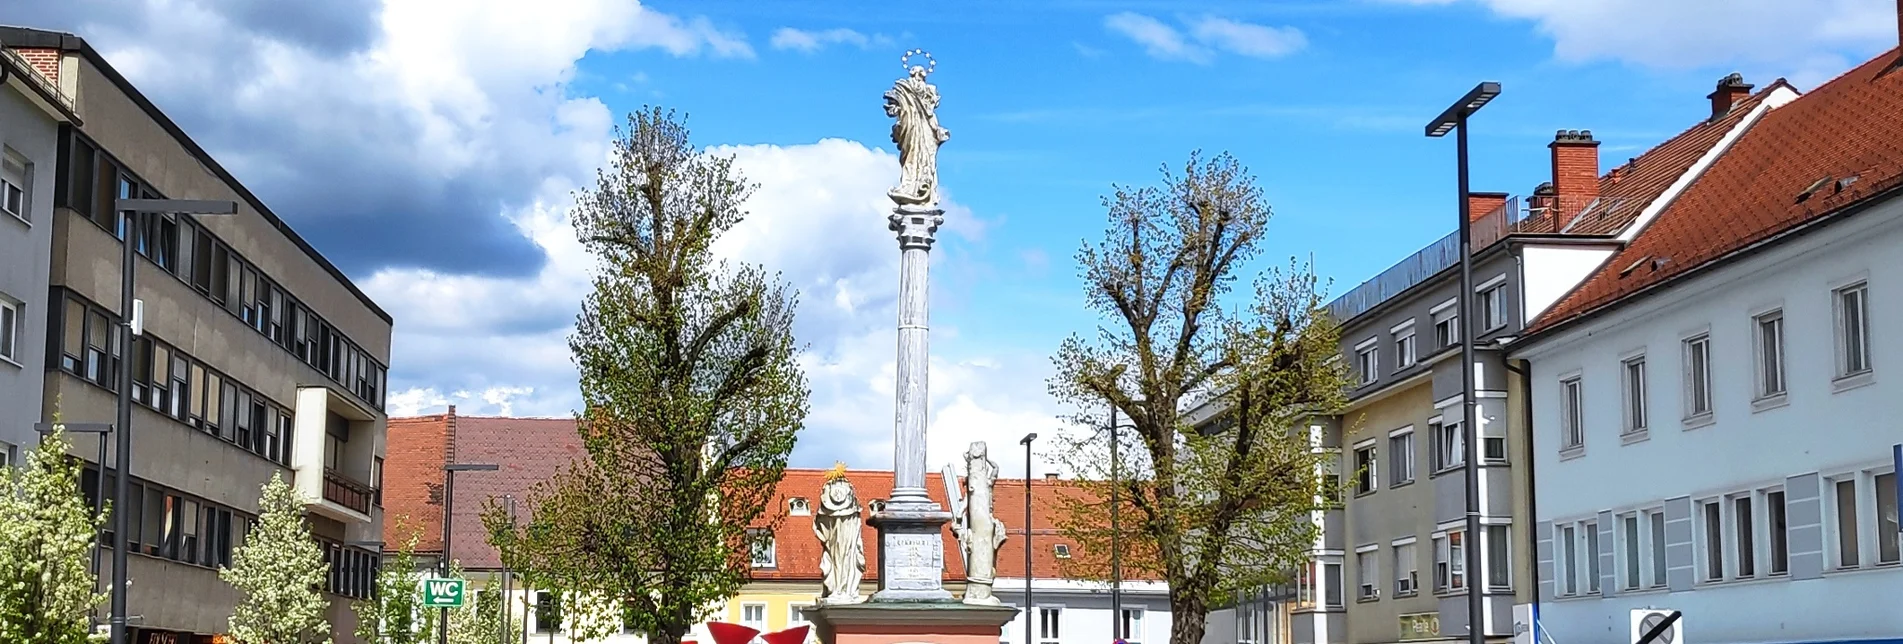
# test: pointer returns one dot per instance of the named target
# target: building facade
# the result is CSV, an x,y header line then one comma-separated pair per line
x,y
32,110
1715,412
259,358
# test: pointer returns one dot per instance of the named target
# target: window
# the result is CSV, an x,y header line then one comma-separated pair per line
x,y
1887,536
1447,327
1697,377
1331,575
795,615
1062,550
1714,540
761,542
1744,530
10,318
1853,330
1775,523
1572,411
1131,624
1629,547
1450,563
548,612
1493,307
1493,449
1846,496
1450,446
799,507
753,615
1568,559
1365,479
1499,557
1404,350
1770,354
1048,621
1590,530
1655,522
1407,576
1633,388
1367,571
1400,458
1368,358
13,187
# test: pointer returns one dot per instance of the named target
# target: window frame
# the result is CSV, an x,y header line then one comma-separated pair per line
x,y
1572,410
1493,307
1450,561
1406,349
1367,470
21,186
1368,361
1770,384
1406,569
1450,446
1401,457
1368,573
1700,400
1500,562
12,325
1710,540
1636,407
1853,361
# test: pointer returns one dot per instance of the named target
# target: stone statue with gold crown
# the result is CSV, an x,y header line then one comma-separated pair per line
x,y
842,559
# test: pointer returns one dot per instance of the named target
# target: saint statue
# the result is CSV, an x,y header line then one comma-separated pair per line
x,y
842,559
977,529
914,103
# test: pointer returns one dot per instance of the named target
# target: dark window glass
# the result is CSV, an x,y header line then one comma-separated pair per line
x,y
158,513
73,340
105,195
220,273
135,513
80,179
203,260
187,234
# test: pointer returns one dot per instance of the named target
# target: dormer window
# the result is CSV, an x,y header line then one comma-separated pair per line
x,y
1063,551
877,505
797,506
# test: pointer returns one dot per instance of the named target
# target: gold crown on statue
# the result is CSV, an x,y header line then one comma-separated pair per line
x,y
838,472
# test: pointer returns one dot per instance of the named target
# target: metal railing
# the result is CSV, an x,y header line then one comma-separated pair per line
x,y
347,493
1427,262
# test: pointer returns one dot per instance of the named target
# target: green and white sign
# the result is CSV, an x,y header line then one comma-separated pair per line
x,y
443,593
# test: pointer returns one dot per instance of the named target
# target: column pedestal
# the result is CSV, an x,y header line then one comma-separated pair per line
x,y
903,623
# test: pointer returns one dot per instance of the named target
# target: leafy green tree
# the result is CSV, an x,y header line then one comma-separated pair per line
x,y
1218,507
47,532
396,615
277,573
691,387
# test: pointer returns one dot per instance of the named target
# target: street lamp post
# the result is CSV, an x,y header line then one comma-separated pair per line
x,y
1030,608
135,212
449,518
1455,120
1116,533
508,579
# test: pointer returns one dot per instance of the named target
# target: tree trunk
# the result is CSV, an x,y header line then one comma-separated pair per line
x,y
1189,617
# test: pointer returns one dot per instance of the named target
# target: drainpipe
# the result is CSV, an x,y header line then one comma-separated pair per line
x,y
1532,494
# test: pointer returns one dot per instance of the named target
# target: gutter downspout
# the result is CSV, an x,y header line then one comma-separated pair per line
x,y
1532,490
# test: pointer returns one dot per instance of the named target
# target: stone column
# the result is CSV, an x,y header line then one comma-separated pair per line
x,y
911,541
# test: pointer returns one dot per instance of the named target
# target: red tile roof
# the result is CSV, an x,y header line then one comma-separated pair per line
x,y
1850,127
529,451
413,480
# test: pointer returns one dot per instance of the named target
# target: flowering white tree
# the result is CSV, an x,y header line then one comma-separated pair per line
x,y
47,531
396,615
278,571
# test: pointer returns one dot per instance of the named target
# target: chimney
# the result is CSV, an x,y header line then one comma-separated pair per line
x,y
1575,174
1731,89
1481,204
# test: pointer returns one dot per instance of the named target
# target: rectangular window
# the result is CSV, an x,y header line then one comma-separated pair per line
x,y
1853,330
220,269
1775,525
160,370
205,253
1493,449
1368,358
96,338
1493,307
1331,574
1404,350
1887,536
10,316
1367,572
548,612
1590,531
1572,410
1365,475
1132,626
1499,557
1744,527
1450,562
1634,391
1400,459
1569,559
181,387
1655,522
1629,535
1714,543
1697,376
1447,328
761,541
753,615
1450,446
1770,354
157,515
1846,496
187,236
1407,576
13,187
73,342
1049,621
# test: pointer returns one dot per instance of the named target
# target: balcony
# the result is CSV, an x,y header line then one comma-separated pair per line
x,y
334,451
347,493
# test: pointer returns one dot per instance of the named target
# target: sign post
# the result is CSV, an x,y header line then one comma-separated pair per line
x,y
443,593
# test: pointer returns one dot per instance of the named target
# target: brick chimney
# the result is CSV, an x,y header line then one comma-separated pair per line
x,y
43,60
1575,174
1731,89
1481,204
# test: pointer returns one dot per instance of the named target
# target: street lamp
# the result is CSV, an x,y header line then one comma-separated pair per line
x,y
1455,120
1116,532
132,324
1030,609
449,528
99,482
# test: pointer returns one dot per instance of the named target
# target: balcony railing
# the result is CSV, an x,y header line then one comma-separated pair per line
x,y
1428,262
347,493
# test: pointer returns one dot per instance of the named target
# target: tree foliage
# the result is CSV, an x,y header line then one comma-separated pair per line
x,y
277,573
47,532
396,615
691,388
1222,506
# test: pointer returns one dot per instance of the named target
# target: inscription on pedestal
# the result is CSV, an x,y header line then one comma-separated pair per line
x,y
914,557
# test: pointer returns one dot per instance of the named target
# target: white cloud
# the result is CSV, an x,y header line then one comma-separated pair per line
x,y
812,41
1202,37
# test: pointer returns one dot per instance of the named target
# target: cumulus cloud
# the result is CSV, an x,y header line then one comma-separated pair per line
x,y
1202,37
812,41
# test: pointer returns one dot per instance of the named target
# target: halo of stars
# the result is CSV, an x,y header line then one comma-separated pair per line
x,y
931,64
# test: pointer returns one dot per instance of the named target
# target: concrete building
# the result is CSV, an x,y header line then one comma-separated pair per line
x,y
32,110
259,357
1715,408
786,576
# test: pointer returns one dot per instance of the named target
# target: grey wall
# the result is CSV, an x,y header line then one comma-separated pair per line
x,y
28,133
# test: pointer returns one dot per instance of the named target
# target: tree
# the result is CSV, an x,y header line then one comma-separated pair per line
x,y
277,573
396,615
1224,506
47,532
691,388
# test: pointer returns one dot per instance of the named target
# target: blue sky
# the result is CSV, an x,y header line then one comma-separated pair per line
x,y
456,131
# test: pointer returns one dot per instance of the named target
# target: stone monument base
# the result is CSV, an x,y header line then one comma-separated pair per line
x,y
941,622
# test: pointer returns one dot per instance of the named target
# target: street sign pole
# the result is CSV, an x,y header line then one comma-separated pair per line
x,y
444,593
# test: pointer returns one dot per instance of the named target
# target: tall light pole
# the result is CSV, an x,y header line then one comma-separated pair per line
x,y
1116,532
508,579
449,529
1455,120
1030,607
130,325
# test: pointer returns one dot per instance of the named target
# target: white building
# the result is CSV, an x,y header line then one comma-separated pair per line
x,y
1714,409
1079,612
31,111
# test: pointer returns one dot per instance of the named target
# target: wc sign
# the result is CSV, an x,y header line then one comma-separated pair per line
x,y
443,593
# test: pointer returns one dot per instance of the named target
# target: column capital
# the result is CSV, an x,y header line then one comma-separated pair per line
x,y
916,225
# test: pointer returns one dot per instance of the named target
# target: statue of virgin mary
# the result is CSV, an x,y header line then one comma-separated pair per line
x,y
914,103
842,559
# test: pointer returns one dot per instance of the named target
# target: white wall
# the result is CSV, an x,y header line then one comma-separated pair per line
x,y
1820,430
1550,272
26,251
1085,615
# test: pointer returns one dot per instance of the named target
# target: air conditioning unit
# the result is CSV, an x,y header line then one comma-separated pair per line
x,y
1644,619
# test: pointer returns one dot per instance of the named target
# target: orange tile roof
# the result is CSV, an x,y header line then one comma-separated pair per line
x,y
413,481
1849,127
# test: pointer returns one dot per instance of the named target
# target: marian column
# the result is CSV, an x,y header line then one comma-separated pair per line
x,y
911,544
